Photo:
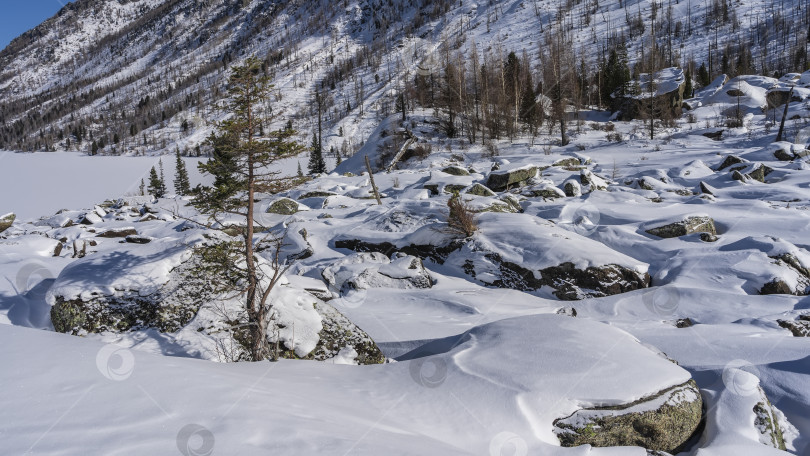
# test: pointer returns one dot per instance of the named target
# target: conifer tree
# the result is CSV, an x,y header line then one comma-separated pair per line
x,y
316,163
155,184
242,166
182,186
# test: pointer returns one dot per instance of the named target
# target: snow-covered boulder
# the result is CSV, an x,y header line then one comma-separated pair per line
x,y
285,206
165,291
502,180
456,171
662,422
6,221
800,327
366,270
572,188
479,190
754,171
441,182
687,225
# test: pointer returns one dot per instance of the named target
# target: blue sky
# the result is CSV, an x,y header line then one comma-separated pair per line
x,y
19,16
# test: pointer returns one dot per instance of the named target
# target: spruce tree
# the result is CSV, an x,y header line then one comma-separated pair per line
x,y
156,187
316,163
703,76
182,186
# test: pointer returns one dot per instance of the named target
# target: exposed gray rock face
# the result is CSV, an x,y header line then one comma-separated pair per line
x,y
502,180
689,225
662,422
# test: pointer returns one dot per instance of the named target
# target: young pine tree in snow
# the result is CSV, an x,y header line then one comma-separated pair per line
x,y
300,172
243,166
156,187
182,186
316,163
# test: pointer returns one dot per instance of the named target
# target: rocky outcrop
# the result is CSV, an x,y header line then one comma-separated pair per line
x,y
662,422
689,225
500,181
6,221
800,273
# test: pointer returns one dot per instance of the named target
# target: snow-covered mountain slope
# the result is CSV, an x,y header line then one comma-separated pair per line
x,y
143,76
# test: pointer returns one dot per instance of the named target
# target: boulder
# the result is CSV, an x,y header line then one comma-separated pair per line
x,y
567,162
689,225
665,421
480,190
591,181
362,271
572,188
316,194
500,181
800,276
755,171
730,160
767,422
339,336
456,171
6,221
800,327
707,189
136,239
284,206
543,190
117,233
